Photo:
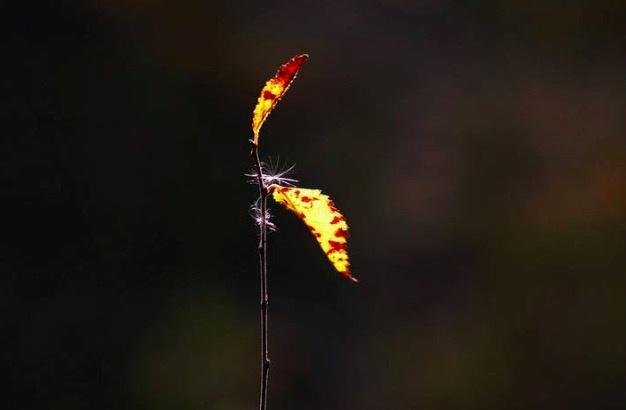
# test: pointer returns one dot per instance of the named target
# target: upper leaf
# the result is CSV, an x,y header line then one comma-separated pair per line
x,y
273,91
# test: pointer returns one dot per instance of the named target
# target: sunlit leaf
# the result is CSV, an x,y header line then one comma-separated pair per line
x,y
322,218
273,91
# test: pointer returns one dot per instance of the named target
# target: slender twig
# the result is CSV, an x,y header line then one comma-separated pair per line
x,y
265,360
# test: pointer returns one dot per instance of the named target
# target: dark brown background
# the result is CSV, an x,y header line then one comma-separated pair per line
x,y
476,147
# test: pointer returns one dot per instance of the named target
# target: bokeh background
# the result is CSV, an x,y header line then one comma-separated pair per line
x,y
477,148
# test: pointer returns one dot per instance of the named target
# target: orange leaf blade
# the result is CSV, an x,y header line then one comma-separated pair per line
x,y
273,91
323,219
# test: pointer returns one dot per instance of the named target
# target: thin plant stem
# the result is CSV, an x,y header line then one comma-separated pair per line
x,y
264,300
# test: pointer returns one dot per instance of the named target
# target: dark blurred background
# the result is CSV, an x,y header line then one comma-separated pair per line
x,y
477,148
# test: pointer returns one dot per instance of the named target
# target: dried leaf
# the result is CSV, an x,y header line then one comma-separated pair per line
x,y
273,91
322,218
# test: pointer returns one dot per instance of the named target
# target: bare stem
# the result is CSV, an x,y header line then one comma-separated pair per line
x,y
265,360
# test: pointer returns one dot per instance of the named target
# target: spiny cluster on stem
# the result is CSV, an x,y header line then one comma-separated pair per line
x,y
271,174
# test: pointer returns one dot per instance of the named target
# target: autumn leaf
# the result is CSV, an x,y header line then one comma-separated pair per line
x,y
273,91
322,218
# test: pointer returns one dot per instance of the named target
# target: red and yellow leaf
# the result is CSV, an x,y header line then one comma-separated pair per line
x,y
322,218
273,91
